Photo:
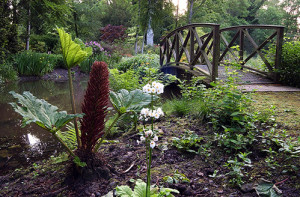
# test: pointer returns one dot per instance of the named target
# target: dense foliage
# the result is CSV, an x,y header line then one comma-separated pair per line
x,y
111,33
289,69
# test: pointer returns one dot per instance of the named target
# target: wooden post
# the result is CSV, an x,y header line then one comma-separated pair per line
x,y
167,50
177,48
241,52
278,55
216,52
192,47
161,54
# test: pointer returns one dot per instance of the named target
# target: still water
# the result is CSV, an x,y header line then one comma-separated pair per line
x,y
22,146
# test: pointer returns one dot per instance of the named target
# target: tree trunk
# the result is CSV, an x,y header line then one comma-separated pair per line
x,y
28,26
136,40
75,23
191,11
143,44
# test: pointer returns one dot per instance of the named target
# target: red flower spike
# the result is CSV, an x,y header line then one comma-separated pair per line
x,y
95,106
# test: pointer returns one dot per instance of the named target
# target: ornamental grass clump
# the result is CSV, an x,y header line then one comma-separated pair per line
x,y
94,106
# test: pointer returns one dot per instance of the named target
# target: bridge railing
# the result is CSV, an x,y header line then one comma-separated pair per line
x,y
204,49
186,41
241,35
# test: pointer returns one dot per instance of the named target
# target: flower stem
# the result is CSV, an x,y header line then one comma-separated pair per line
x,y
149,172
150,156
73,107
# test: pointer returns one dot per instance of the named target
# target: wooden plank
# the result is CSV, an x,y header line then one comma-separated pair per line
x,y
216,53
192,46
203,71
278,54
241,52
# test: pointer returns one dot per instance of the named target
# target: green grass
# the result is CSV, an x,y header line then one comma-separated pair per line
x,y
286,108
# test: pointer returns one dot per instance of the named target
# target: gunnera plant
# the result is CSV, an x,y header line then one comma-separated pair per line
x,y
95,106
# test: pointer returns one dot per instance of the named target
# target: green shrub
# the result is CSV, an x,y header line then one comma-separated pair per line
x,y
38,64
7,72
139,61
289,69
226,108
123,80
85,66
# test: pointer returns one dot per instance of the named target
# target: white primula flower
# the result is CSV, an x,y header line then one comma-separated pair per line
x,y
142,138
152,90
152,144
156,115
145,111
154,84
147,88
155,139
148,133
151,113
160,90
160,112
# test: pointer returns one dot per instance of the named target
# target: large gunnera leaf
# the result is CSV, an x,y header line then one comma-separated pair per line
x,y
266,188
125,101
73,52
41,112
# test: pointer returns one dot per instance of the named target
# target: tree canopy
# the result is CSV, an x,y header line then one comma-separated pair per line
x,y
34,21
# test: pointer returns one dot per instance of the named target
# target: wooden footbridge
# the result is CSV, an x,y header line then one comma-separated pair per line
x,y
189,48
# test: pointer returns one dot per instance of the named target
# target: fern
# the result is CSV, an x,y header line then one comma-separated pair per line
x,y
69,136
140,191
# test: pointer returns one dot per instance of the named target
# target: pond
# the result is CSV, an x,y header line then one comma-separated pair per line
x,y
23,146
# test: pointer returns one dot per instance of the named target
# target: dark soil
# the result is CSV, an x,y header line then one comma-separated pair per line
x,y
124,159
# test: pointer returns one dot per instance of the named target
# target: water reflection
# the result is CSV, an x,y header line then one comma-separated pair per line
x,y
33,141
21,146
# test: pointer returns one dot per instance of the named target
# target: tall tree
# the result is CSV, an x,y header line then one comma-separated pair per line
x,y
8,28
40,17
292,17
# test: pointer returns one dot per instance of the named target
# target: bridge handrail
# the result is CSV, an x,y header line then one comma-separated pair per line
x,y
251,27
186,27
173,45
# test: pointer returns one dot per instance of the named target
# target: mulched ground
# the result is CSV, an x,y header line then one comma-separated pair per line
x,y
126,159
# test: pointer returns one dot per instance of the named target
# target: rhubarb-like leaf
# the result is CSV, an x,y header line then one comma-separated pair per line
x,y
73,52
267,189
40,112
130,101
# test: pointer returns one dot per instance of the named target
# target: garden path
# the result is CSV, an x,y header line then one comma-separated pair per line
x,y
253,81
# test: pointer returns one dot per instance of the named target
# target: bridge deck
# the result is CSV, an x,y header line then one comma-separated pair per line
x,y
246,76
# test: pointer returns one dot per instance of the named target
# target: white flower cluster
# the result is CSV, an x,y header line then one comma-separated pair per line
x,y
147,113
154,88
149,135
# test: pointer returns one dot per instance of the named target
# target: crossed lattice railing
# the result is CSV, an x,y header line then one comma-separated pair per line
x,y
186,46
